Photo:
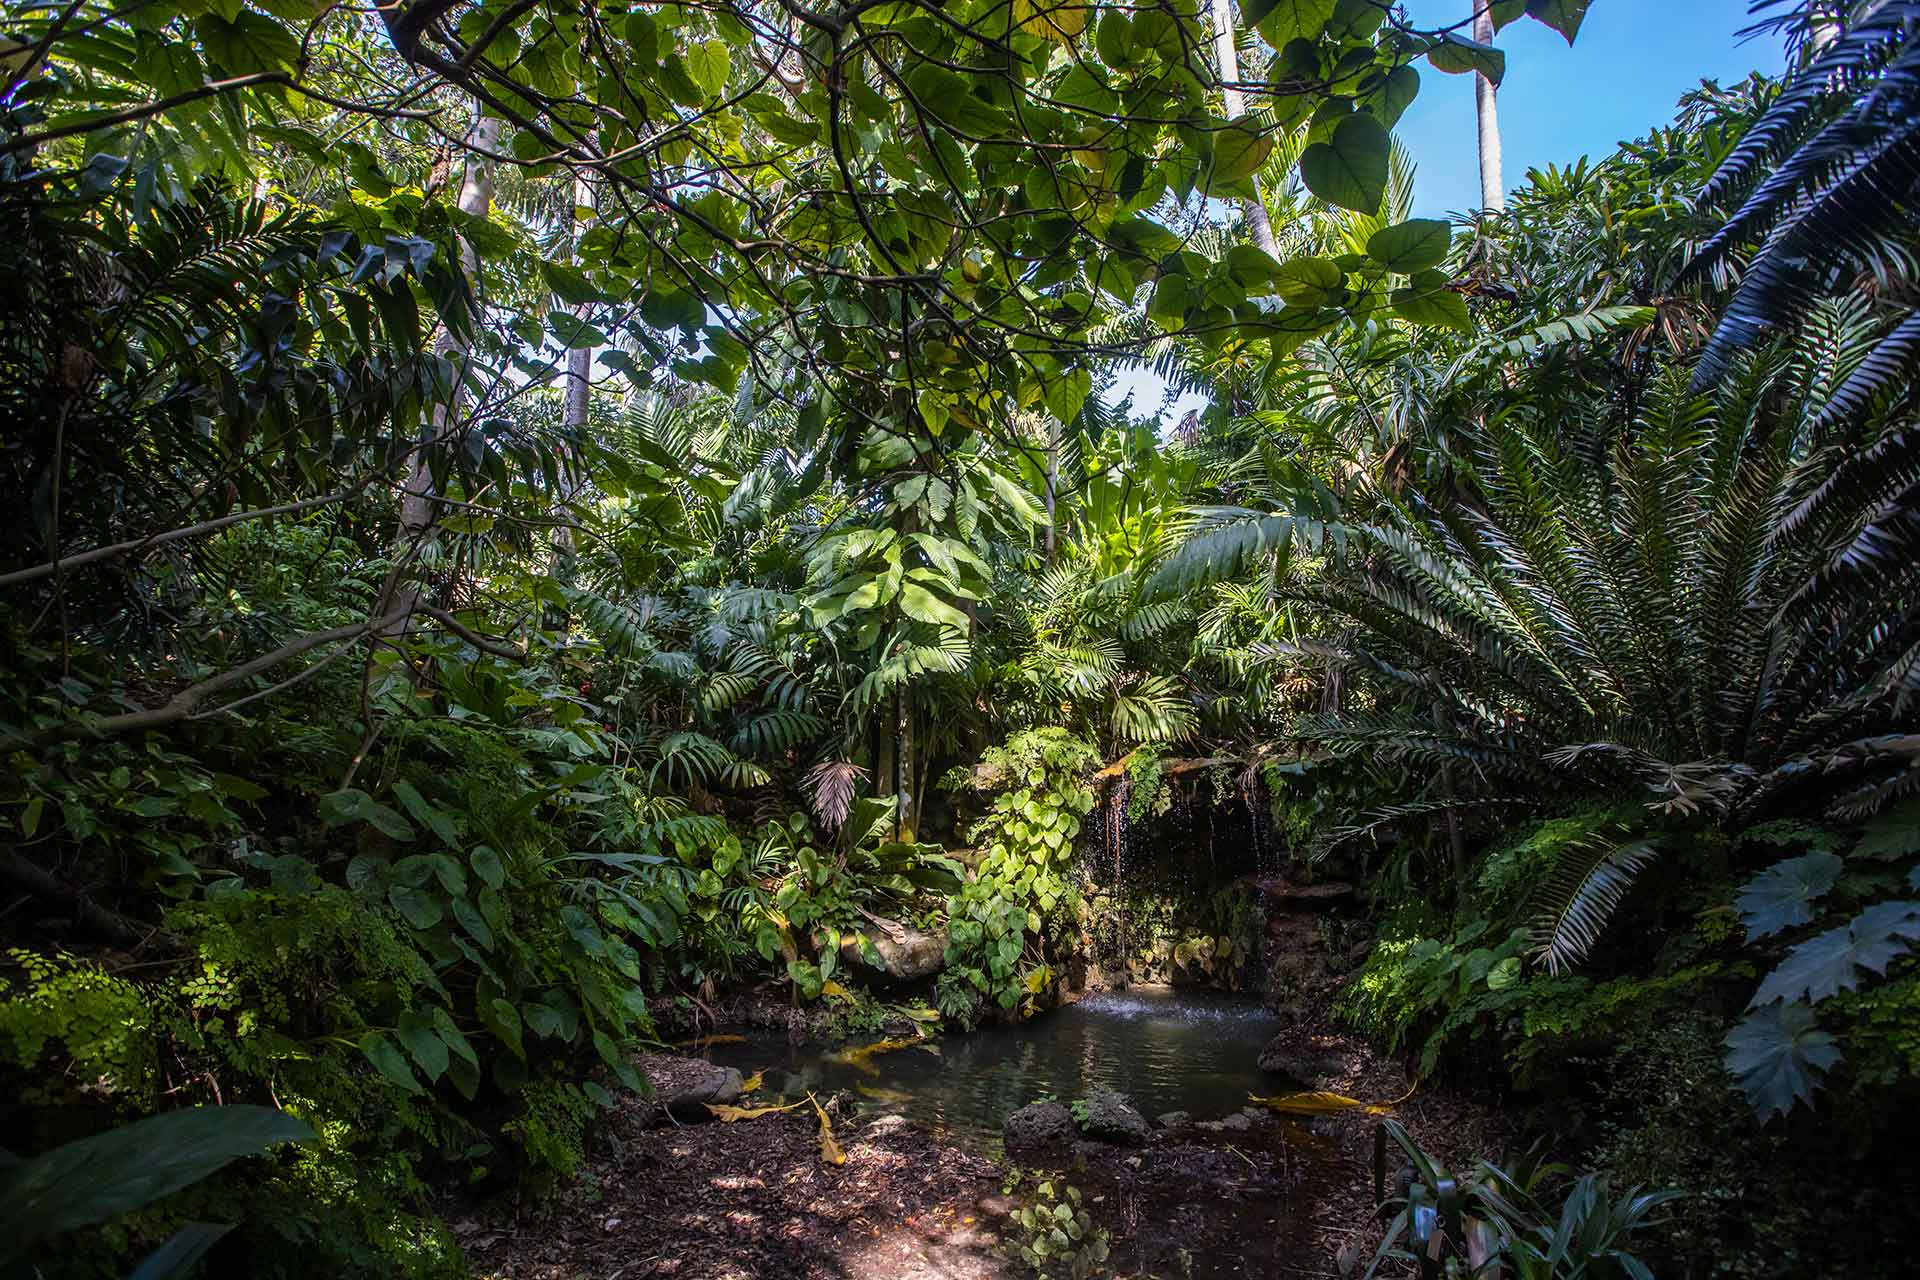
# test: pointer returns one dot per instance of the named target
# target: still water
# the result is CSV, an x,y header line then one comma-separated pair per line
x,y
1164,1050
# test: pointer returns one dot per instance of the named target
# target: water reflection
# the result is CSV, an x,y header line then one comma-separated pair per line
x,y
1164,1050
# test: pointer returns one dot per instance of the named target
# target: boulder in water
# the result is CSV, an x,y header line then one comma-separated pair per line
x,y
1108,1117
904,954
1314,1068
1038,1124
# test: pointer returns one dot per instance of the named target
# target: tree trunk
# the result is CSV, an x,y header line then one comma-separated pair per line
x,y
1054,428
418,510
579,381
1229,58
1493,192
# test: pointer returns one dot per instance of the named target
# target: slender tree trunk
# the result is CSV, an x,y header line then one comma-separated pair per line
x,y
1229,57
1493,192
418,510
1054,429
573,412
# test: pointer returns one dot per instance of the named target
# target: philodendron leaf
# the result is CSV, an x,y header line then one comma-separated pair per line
x,y
1411,246
1781,896
97,1178
1829,963
1350,169
1778,1054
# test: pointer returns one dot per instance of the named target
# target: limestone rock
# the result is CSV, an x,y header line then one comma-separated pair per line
x,y
886,1124
1111,1118
1314,1068
905,955
1238,1122
687,1103
1038,1124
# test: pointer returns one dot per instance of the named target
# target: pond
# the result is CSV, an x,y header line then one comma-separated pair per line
x,y
1165,1050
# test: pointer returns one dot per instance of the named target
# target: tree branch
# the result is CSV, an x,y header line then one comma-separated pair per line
x,y
162,539
188,700
472,637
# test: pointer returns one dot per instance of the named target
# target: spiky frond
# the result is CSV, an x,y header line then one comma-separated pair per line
x,y
1589,879
1843,145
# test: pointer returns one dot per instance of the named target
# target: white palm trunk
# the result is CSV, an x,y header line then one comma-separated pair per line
x,y
1493,192
1229,58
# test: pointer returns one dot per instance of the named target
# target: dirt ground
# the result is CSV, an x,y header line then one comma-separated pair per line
x,y
1252,1195
754,1199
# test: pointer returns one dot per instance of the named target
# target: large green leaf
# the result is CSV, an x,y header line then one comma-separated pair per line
x,y
350,804
949,98
251,42
1829,963
1281,21
1411,246
94,1179
1781,896
1350,169
1778,1055
1430,305
1239,150
1308,282
918,602
417,1032
1564,16
1457,55
385,1055
708,64
1065,394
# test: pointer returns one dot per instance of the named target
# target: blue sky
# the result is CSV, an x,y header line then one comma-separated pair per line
x,y
1631,63
1633,60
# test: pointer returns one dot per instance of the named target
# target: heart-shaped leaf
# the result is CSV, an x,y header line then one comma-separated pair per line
x,y
1411,246
1350,169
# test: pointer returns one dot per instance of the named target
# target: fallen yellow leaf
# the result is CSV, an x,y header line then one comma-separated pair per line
x,y
1319,1104
752,1082
702,1042
728,1114
862,1058
830,1152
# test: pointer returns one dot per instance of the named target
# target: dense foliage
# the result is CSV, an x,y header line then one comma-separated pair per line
x,y
515,510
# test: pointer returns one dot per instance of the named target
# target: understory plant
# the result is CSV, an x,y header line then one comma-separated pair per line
x,y
1000,922
1532,1219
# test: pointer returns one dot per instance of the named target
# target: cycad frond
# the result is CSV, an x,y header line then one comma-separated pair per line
x,y
1589,879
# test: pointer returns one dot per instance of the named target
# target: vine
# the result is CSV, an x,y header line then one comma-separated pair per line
x,y
999,921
